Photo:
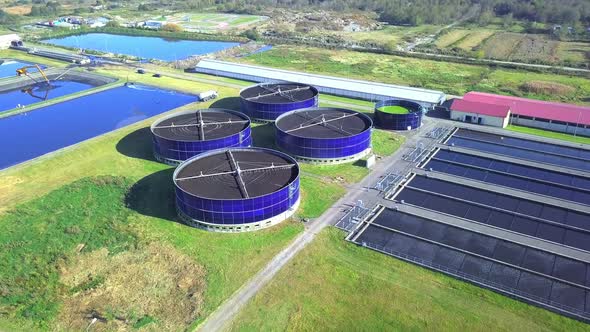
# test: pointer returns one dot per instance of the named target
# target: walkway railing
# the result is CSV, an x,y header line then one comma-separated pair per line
x,y
354,216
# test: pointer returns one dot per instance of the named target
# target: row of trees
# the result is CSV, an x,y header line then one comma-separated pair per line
x,y
7,19
399,12
415,12
569,12
46,9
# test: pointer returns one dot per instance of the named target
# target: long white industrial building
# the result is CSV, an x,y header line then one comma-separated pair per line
x,y
372,91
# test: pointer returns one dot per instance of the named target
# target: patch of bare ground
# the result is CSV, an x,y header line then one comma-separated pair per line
x,y
536,47
155,287
541,87
18,10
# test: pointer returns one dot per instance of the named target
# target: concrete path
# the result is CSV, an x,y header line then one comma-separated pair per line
x,y
223,316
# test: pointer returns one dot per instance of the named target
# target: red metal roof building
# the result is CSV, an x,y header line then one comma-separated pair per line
x,y
554,116
498,111
535,108
481,113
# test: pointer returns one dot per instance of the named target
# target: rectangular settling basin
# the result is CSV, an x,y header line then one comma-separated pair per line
x,y
21,92
143,47
8,67
39,92
28,135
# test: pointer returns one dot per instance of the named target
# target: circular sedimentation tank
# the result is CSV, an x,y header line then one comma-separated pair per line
x,y
183,135
398,115
237,189
267,101
324,135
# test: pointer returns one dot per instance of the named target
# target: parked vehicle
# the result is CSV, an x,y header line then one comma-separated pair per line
x,y
207,95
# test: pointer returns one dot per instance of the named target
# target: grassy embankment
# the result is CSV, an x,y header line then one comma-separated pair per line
x,y
227,260
452,78
334,285
550,134
13,54
184,35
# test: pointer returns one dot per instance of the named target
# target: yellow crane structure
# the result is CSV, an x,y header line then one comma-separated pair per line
x,y
23,71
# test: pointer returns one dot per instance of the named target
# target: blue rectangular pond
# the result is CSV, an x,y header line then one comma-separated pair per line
x,y
32,134
39,92
8,67
144,47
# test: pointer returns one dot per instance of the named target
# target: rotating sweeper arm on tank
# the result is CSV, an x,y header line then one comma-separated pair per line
x,y
233,172
23,71
30,92
283,93
197,125
321,120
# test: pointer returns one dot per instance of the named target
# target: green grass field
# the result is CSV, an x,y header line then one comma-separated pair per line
x,y
550,134
394,110
450,38
213,21
453,78
333,285
146,217
474,39
97,257
390,36
12,54
93,214
358,102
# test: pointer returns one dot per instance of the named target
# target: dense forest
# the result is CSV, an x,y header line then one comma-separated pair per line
x,y
398,12
415,12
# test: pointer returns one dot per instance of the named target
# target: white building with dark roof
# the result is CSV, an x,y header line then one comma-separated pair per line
x,y
339,86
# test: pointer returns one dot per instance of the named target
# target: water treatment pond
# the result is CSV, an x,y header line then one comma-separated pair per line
x,y
144,47
8,67
39,92
29,135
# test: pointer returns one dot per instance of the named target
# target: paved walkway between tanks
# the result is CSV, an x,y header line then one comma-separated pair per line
x,y
225,313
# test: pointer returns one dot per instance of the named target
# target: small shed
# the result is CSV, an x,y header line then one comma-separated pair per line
x,y
154,25
480,113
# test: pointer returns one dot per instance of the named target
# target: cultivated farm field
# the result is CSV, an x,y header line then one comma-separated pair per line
x,y
527,47
450,38
464,39
493,43
574,52
474,39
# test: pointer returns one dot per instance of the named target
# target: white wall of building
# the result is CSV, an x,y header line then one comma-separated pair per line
x,y
567,128
486,120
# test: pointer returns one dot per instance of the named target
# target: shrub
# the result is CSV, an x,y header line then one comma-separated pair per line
x,y
172,27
